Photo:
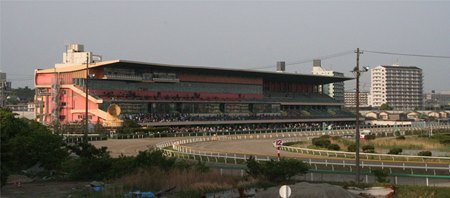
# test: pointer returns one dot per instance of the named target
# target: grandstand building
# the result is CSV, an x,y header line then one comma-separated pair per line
x,y
154,88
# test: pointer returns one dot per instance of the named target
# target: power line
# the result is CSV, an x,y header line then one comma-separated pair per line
x,y
309,60
402,54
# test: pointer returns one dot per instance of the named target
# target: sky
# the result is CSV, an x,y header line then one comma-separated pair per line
x,y
230,34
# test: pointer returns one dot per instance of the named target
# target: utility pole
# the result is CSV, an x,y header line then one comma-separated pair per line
x,y
86,116
357,135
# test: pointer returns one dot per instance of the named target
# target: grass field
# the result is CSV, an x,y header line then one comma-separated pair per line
x,y
421,192
411,142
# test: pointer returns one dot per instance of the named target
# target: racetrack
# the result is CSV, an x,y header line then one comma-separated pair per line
x,y
253,146
129,147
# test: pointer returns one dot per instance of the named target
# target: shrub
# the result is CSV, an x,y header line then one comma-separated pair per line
x,y
368,148
320,142
334,147
424,153
397,133
336,137
277,171
381,175
400,137
154,157
351,148
370,137
395,151
325,136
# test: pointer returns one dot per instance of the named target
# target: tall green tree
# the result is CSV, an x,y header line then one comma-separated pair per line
x,y
25,143
385,107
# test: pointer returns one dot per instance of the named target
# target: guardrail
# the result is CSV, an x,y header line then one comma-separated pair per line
x,y
367,156
233,158
339,154
324,175
181,151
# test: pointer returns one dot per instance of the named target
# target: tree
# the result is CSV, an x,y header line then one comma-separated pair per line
x,y
385,107
25,143
129,126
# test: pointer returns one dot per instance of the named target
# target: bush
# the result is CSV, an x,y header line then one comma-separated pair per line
x,y
381,175
351,148
320,142
397,133
277,171
370,137
154,157
424,153
400,137
334,147
395,151
336,138
325,136
368,148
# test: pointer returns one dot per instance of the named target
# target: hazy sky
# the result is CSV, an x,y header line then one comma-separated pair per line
x,y
237,34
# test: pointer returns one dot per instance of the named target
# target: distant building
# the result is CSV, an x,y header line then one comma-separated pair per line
x,y
135,88
334,90
18,107
350,99
437,100
400,87
5,89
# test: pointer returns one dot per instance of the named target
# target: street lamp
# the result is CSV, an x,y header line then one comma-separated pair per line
x,y
357,72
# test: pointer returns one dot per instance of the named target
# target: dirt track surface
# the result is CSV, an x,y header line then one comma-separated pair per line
x,y
129,147
255,147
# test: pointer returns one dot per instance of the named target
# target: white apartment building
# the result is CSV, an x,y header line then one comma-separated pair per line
x,y
334,90
400,87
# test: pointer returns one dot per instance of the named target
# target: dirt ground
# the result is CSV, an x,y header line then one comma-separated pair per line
x,y
43,189
129,147
256,147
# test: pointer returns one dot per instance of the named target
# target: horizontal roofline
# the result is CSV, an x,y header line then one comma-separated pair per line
x,y
393,66
105,63
230,69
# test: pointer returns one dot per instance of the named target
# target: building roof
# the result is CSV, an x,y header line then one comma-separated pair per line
x,y
400,67
315,79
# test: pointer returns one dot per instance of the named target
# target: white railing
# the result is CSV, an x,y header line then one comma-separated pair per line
x,y
232,158
373,156
304,150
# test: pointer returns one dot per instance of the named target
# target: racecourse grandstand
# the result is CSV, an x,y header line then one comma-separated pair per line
x,y
157,94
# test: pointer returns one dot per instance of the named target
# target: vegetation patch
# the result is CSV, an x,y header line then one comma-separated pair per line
x,y
421,191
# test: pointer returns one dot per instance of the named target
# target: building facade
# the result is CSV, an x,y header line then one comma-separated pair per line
x,y
135,88
334,90
435,100
350,99
401,87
